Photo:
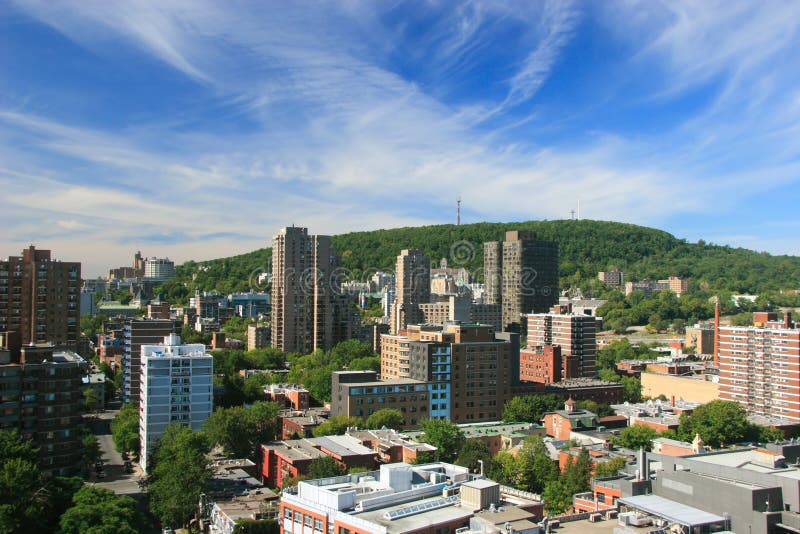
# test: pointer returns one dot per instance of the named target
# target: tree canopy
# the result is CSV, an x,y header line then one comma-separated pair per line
x,y
531,408
179,473
445,436
388,418
125,429
585,247
337,425
240,430
100,511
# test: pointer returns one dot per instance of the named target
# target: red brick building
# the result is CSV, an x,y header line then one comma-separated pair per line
x,y
290,396
560,424
290,458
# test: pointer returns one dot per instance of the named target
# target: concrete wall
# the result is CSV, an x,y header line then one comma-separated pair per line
x,y
689,389
746,505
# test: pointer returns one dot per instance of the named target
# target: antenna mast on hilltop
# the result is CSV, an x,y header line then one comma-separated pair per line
x,y
458,211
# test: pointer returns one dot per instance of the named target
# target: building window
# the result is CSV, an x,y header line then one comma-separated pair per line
x,y
307,520
318,524
287,513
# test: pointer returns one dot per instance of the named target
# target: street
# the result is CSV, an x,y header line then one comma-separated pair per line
x,y
116,480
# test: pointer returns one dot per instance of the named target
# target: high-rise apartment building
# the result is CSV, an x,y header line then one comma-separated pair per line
x,y
177,387
521,274
759,367
40,395
412,288
575,334
304,293
135,333
40,298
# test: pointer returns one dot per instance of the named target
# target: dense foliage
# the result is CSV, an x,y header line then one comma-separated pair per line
x,y
125,430
531,408
101,511
445,436
586,247
388,418
179,468
28,502
240,430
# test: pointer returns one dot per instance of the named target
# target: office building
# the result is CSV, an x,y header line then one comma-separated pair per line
x,y
303,291
400,498
412,288
675,284
40,298
135,334
41,396
759,366
575,334
177,387
521,274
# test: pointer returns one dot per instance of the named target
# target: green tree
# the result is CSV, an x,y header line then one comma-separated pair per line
x,y
100,511
370,363
337,426
179,474
574,479
388,418
445,436
90,399
325,467
256,526
91,450
472,453
22,489
609,468
637,436
718,422
536,468
125,430
631,389
531,408
240,430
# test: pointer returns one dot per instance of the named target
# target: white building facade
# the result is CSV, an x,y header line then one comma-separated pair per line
x,y
176,387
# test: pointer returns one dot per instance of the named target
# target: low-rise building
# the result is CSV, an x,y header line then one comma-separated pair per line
x,y
560,424
392,446
233,494
291,458
288,396
405,499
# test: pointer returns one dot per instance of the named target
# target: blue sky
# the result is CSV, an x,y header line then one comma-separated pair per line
x,y
195,129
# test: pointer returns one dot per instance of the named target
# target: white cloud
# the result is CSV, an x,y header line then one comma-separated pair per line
x,y
343,142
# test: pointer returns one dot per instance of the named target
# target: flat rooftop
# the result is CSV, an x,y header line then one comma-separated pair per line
x,y
672,511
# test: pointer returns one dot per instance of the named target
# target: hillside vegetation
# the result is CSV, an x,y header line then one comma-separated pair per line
x,y
586,247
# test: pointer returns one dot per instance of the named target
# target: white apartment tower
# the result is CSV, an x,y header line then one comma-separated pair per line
x,y
176,387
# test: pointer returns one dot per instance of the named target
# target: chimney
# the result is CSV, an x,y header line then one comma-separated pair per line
x,y
716,334
787,319
673,401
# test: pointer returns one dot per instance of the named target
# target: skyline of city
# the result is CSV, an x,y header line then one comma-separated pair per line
x,y
122,125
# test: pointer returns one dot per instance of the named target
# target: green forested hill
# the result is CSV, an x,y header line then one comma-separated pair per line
x,y
586,247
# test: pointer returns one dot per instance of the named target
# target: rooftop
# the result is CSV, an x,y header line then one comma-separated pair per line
x,y
672,511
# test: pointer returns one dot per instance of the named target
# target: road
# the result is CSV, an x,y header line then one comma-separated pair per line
x,y
116,480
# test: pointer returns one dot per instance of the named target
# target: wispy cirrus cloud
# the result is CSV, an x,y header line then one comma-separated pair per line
x,y
342,116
